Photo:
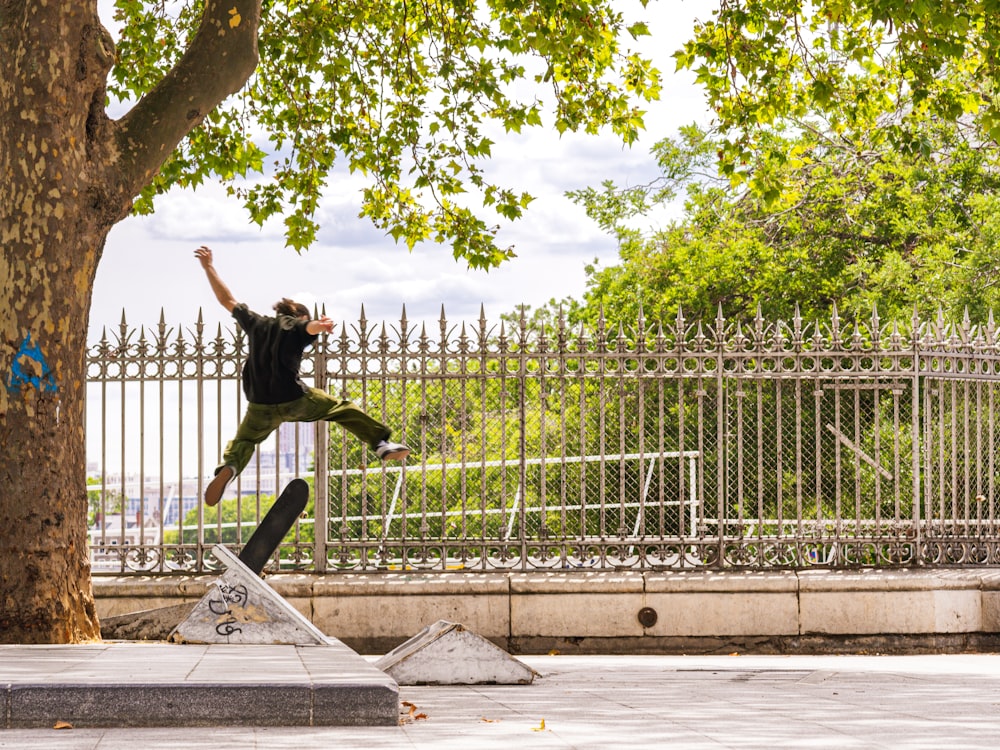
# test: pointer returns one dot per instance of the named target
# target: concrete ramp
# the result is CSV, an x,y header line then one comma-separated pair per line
x,y
241,608
445,653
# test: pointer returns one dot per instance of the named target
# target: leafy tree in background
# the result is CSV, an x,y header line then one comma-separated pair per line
x,y
406,94
246,511
103,502
904,89
851,161
855,226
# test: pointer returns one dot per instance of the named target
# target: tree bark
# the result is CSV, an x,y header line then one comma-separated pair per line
x,y
68,174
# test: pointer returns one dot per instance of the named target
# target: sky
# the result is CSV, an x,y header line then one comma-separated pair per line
x,y
149,266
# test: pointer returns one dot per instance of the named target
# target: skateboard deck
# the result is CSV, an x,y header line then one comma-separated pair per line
x,y
275,524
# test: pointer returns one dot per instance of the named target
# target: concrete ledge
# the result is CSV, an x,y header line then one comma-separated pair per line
x,y
581,615
386,609
183,587
179,705
698,603
125,594
577,582
164,685
584,603
682,611
405,584
889,580
774,645
724,614
897,601
706,581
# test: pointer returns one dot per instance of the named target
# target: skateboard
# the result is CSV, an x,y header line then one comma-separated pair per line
x,y
275,525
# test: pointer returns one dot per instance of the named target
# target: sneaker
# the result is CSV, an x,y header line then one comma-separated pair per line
x,y
213,493
391,451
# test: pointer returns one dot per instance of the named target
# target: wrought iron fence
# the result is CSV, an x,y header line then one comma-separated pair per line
x,y
695,445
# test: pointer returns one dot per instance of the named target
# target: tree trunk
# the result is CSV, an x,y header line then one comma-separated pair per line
x,y
67,175
54,218
45,588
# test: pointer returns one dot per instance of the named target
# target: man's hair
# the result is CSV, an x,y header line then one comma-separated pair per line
x,y
291,307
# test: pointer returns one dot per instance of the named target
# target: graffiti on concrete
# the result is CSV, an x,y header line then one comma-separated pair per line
x,y
234,610
231,600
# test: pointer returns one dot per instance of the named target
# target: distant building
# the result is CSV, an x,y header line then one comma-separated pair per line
x,y
164,500
294,450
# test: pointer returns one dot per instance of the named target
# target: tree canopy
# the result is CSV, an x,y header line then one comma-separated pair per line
x,y
851,161
860,230
874,68
407,93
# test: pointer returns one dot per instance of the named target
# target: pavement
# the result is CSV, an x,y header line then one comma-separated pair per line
x,y
736,701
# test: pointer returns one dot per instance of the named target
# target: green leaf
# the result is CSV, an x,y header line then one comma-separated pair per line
x,y
638,29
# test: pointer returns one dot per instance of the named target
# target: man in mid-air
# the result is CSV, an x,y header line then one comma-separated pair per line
x,y
273,387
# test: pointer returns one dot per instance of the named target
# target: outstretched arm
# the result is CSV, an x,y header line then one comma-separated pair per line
x,y
320,325
222,293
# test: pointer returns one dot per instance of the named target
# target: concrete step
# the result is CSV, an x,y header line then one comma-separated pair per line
x,y
151,684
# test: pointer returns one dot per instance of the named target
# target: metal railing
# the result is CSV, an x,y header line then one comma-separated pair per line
x,y
724,444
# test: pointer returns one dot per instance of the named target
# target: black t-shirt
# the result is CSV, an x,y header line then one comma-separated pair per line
x,y
271,372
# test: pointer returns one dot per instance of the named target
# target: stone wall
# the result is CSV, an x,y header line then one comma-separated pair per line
x,y
813,611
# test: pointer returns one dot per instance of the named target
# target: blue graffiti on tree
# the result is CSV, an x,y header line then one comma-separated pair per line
x,y
30,369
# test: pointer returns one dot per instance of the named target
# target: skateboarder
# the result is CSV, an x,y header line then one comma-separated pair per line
x,y
272,385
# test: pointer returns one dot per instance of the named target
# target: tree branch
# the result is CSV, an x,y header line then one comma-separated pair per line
x,y
220,59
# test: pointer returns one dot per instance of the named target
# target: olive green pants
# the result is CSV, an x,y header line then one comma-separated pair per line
x,y
261,420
